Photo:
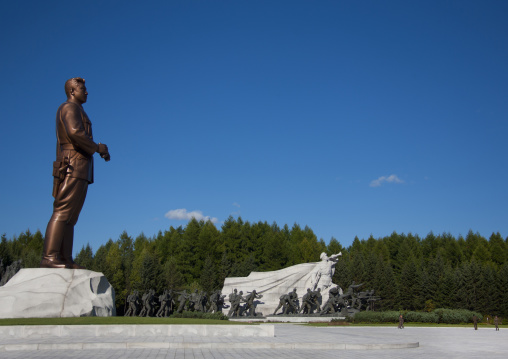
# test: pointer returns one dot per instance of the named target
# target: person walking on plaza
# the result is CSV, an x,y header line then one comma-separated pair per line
x,y
475,322
496,322
401,322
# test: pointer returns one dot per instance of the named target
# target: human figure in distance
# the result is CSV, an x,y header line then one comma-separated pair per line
x,y
496,322
401,322
72,172
475,322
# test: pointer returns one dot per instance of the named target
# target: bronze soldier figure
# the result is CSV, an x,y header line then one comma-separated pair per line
x,y
72,172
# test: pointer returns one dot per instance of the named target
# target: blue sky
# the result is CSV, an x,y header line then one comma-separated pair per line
x,y
351,117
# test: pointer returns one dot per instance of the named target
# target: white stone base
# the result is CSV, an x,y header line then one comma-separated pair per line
x,y
81,331
54,293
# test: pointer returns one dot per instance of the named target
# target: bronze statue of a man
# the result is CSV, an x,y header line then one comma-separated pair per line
x,y
72,172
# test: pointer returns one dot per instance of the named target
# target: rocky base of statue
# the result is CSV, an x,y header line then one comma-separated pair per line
x,y
55,293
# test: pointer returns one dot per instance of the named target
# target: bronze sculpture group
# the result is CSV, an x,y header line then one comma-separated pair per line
x,y
347,303
73,171
245,306
289,303
248,309
197,301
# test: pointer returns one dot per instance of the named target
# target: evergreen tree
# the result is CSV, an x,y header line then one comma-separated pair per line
x,y
501,300
468,277
99,263
487,303
126,248
274,252
114,272
150,273
189,259
384,284
481,254
85,257
5,251
231,239
171,275
343,276
334,247
498,249
208,276
410,296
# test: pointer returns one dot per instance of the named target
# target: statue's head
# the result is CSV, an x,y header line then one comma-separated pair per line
x,y
323,256
75,89
234,290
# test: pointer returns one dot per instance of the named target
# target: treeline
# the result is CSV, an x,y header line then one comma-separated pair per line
x,y
407,271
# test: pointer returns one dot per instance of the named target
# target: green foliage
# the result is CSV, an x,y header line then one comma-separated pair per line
x,y
421,317
448,316
409,273
199,315
85,257
377,317
456,316
171,275
208,276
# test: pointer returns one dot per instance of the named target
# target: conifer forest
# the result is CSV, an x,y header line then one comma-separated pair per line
x,y
407,271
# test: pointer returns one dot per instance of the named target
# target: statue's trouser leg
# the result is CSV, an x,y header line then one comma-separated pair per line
x,y
66,248
60,231
275,311
52,242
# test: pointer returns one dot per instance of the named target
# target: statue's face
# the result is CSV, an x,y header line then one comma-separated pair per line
x,y
79,93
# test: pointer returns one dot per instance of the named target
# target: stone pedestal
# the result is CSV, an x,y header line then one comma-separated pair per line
x,y
54,293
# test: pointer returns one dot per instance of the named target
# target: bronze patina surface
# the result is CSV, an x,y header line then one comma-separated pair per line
x,y
72,172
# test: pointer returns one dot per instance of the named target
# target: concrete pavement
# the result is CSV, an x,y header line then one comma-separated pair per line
x,y
290,341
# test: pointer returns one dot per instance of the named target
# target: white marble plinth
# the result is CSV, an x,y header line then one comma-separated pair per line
x,y
120,331
53,293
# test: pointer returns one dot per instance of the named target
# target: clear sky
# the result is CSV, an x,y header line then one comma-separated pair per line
x,y
351,117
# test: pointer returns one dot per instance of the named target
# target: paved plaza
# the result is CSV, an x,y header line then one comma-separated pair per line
x,y
290,341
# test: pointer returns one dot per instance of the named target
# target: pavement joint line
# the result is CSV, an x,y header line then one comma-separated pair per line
x,y
204,345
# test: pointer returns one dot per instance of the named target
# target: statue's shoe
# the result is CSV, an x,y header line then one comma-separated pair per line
x,y
73,265
52,263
